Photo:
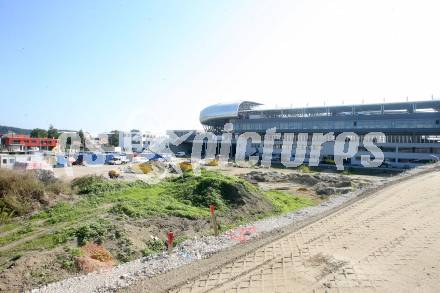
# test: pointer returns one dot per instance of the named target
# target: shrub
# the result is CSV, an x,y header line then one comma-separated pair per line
x,y
94,232
58,187
154,245
19,191
45,176
67,261
91,184
210,188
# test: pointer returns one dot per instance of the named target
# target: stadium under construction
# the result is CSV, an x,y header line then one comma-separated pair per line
x,y
412,129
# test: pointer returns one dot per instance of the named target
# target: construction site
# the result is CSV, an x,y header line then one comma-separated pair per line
x,y
126,227
219,146
128,218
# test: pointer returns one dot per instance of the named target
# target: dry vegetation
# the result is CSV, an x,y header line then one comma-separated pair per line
x,y
24,192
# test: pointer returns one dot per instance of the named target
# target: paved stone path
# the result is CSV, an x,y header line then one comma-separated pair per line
x,y
389,241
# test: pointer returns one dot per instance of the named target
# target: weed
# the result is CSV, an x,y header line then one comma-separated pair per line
x,y
6,215
153,246
94,232
67,260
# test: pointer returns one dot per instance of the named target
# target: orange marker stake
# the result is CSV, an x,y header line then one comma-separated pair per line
x,y
213,219
170,241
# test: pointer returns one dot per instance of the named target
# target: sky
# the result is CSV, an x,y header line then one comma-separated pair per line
x,y
154,65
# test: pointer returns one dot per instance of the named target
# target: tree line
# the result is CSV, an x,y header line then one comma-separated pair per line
x,y
52,132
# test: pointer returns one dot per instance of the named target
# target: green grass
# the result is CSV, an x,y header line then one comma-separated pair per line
x,y
43,242
8,227
284,202
155,200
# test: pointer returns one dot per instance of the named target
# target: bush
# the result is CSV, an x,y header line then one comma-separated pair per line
x,y
154,245
45,176
91,184
210,188
67,260
58,187
19,191
94,232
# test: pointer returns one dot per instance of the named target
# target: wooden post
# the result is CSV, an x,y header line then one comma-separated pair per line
x,y
213,219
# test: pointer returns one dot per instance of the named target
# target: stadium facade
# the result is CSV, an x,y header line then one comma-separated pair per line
x,y
412,129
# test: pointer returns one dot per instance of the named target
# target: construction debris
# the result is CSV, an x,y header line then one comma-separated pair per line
x,y
323,184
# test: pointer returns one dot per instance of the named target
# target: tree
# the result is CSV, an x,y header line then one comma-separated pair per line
x,y
52,132
83,140
113,138
38,132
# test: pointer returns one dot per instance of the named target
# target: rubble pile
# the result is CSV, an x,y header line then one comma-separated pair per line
x,y
323,184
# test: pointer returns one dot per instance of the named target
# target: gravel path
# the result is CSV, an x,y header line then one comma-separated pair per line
x,y
189,251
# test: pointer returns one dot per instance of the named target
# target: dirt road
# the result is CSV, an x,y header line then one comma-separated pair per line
x,y
389,241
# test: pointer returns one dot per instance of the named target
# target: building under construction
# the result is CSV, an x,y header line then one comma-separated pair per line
x,y
412,129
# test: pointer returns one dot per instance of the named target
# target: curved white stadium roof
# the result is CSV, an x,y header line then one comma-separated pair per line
x,y
225,111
